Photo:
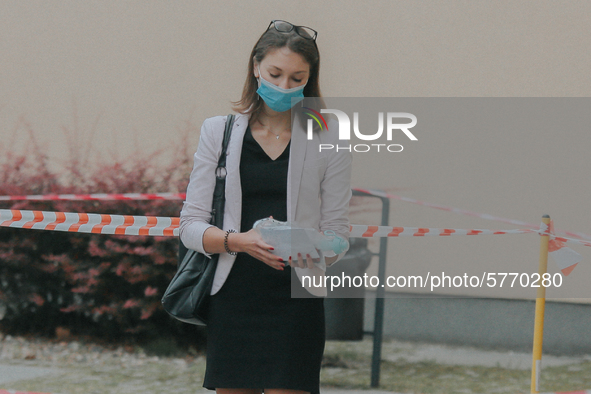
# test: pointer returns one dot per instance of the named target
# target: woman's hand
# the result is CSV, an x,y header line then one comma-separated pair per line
x,y
252,243
301,262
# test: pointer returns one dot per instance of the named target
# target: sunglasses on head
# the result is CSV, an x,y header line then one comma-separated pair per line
x,y
286,27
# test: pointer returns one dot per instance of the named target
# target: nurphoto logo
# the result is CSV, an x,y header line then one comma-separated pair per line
x,y
393,126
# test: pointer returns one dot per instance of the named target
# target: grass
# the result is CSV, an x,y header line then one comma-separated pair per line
x,y
153,375
350,368
346,365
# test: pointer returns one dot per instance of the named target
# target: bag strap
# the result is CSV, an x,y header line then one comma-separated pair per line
x,y
219,193
225,141
219,198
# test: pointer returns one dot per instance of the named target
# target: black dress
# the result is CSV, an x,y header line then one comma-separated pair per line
x,y
258,336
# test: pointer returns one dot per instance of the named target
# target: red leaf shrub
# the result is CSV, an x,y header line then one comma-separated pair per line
x,y
100,285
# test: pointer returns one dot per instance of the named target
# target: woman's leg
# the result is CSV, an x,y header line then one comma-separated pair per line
x,y
238,391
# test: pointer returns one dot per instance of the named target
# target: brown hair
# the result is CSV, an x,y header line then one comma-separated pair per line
x,y
272,39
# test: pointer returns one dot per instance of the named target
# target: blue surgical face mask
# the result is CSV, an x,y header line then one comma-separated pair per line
x,y
279,99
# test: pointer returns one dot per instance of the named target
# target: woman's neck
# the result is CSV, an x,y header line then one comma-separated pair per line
x,y
275,121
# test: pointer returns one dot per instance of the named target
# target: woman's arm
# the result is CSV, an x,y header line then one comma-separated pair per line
x,y
336,195
196,212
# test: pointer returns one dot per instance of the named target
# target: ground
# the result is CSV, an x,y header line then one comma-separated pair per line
x,y
79,367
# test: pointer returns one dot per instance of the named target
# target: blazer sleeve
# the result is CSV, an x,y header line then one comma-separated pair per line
x,y
336,195
196,212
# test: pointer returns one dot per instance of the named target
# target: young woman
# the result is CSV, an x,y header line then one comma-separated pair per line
x,y
259,336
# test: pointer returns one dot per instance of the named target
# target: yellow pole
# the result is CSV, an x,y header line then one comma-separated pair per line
x,y
540,308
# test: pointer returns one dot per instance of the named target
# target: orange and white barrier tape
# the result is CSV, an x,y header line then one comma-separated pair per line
x,y
90,223
366,231
94,223
565,240
464,212
566,258
166,226
96,197
363,231
181,196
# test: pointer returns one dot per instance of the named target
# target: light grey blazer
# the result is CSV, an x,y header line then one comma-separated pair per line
x,y
318,188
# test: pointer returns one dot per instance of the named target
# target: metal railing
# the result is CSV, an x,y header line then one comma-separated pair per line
x,y
378,325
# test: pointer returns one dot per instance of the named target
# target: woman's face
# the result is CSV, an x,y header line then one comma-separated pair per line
x,y
284,68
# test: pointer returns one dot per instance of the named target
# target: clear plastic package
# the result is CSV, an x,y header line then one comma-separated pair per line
x,y
289,239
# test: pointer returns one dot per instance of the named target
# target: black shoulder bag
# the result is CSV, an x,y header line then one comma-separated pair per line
x,y
187,295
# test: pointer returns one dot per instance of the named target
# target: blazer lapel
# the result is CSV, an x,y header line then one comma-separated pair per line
x,y
297,154
233,186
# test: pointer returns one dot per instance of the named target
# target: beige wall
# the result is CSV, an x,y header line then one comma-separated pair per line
x,y
136,71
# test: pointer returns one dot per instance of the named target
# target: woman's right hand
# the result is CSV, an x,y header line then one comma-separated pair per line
x,y
252,243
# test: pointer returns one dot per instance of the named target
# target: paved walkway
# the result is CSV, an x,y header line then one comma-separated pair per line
x,y
13,373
